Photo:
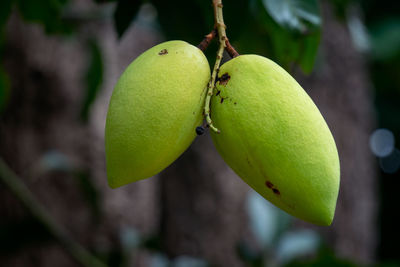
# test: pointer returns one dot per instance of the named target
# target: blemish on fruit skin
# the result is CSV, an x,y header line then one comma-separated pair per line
x,y
217,94
224,79
276,191
223,99
235,103
248,161
273,188
163,52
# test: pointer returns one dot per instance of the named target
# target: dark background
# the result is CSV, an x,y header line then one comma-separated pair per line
x,y
59,62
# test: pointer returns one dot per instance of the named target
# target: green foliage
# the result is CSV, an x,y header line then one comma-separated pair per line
x,y
283,43
294,14
45,12
5,10
385,39
94,78
341,7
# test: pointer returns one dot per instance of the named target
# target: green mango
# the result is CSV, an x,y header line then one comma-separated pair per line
x,y
154,110
274,137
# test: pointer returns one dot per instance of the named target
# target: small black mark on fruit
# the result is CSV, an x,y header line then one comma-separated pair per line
x,y
276,191
224,79
272,187
217,94
235,103
222,100
163,52
200,130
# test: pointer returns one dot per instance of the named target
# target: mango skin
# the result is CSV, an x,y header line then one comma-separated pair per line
x,y
154,110
274,137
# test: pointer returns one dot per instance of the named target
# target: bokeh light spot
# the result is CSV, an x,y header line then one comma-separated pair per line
x,y
381,142
391,163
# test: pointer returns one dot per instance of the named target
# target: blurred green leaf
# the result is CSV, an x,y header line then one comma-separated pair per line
x,y
267,222
308,46
94,78
358,33
283,45
159,260
54,160
125,13
46,12
130,238
385,38
293,245
293,14
5,10
340,7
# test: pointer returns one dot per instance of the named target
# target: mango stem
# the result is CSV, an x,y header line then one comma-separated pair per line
x,y
220,26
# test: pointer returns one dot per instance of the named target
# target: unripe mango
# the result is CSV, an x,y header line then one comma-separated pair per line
x,y
154,110
274,137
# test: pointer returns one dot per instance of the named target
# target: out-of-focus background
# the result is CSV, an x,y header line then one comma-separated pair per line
x,y
59,62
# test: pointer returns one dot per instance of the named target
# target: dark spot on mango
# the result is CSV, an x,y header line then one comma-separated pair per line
x,y
269,184
217,94
248,161
224,79
276,191
163,52
222,100
235,103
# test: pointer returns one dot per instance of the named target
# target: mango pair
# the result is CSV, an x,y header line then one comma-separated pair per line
x,y
271,133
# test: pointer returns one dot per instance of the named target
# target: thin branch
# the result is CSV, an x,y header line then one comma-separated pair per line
x,y
18,188
229,48
207,40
